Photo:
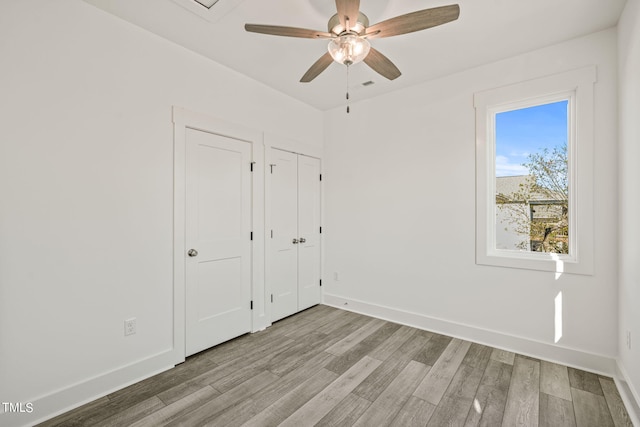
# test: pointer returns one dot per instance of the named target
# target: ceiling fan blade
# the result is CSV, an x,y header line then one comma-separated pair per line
x,y
277,30
348,9
319,66
382,65
414,21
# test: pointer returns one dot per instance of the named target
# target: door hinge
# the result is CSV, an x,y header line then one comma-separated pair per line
x,y
252,163
251,235
272,234
271,297
320,282
320,230
271,166
320,177
251,306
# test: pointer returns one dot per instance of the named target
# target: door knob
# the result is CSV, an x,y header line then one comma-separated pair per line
x,y
295,241
192,253
302,240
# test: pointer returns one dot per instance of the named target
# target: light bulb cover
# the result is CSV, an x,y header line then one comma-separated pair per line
x,y
349,49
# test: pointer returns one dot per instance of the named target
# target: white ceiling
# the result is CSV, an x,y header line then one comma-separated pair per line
x,y
487,30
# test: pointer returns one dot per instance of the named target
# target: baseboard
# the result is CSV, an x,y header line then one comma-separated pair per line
x,y
68,398
629,395
566,356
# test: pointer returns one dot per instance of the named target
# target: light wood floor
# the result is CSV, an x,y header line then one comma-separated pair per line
x,y
330,367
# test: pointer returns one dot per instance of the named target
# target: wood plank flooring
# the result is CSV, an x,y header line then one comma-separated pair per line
x,y
329,367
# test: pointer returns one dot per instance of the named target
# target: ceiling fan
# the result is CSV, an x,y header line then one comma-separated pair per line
x,y
349,33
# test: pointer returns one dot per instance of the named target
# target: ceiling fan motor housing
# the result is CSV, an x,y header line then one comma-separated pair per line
x,y
358,27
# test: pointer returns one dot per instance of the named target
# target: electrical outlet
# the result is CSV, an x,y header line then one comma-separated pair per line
x,y
130,326
629,340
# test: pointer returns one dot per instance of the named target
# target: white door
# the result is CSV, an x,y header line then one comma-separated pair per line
x,y
295,241
218,227
308,232
284,226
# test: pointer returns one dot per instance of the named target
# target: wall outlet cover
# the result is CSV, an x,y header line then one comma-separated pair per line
x,y
130,326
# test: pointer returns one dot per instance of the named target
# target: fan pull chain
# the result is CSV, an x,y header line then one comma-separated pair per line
x,y
347,89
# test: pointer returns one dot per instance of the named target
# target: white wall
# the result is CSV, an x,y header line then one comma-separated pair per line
x,y
629,192
86,170
86,191
400,216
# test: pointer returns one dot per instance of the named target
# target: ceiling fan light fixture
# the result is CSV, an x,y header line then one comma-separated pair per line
x,y
349,49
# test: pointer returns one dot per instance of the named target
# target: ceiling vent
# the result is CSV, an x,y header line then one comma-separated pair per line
x,y
211,10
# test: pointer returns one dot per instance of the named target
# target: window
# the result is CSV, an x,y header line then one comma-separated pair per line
x,y
534,154
531,177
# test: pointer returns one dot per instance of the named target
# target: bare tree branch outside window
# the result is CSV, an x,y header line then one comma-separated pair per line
x,y
539,206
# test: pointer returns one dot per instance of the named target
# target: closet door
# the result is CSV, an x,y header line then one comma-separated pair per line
x,y
295,228
308,232
284,226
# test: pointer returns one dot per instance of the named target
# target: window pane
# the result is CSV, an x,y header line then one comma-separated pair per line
x,y
532,186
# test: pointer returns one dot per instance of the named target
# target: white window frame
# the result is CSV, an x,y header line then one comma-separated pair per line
x,y
576,86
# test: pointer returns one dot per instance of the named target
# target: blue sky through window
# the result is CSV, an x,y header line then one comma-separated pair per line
x,y
528,130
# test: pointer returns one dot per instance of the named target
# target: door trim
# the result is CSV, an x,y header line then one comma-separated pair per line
x,y
183,119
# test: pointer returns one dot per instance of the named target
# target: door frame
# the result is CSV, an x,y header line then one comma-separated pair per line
x,y
184,119
272,141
